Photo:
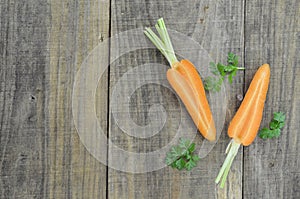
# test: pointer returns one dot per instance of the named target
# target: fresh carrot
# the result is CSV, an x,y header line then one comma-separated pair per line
x,y
186,82
245,124
188,95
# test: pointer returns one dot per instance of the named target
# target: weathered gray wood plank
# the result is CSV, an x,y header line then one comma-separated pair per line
x,y
218,27
23,133
76,28
42,45
271,167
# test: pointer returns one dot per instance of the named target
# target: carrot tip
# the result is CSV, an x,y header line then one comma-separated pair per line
x,y
211,134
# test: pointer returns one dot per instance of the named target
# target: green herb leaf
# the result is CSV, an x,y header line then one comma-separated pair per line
x,y
213,83
230,78
213,68
279,117
188,157
264,133
192,148
222,69
232,59
275,126
276,132
195,158
281,125
173,165
170,160
180,164
184,143
190,164
181,156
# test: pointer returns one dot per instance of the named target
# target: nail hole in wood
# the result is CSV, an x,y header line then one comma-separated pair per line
x,y
32,97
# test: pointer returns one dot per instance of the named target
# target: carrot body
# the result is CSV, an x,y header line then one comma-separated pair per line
x,y
187,83
245,124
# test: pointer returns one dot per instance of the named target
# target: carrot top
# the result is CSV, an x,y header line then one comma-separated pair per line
x,y
163,43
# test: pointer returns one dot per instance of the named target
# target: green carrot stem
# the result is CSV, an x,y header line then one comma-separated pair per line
x,y
163,42
231,151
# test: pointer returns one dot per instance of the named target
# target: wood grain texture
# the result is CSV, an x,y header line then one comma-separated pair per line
x,y
23,133
272,35
42,46
44,43
77,27
218,27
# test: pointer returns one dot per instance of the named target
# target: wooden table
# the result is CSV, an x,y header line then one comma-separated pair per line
x,y
44,43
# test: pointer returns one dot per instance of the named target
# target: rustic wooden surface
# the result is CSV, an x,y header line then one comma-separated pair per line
x,y
272,35
43,44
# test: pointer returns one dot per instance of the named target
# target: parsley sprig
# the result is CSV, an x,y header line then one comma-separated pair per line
x,y
181,156
213,83
275,126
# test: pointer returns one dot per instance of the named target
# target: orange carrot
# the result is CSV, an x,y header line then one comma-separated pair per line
x,y
245,124
186,81
188,87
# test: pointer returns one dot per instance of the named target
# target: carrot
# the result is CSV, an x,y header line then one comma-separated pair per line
x,y
186,82
245,124
188,87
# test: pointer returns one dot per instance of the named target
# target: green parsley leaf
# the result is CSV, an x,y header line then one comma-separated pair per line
x,y
222,69
275,126
190,164
180,164
195,158
213,83
173,165
192,148
213,68
279,117
232,59
169,160
281,125
276,132
230,78
264,133
181,156
184,143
